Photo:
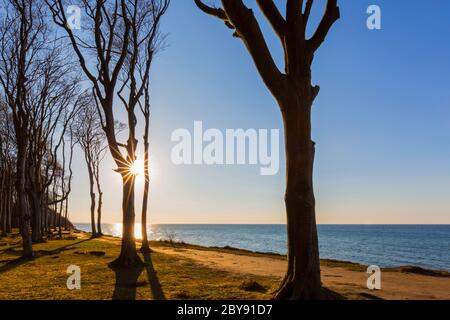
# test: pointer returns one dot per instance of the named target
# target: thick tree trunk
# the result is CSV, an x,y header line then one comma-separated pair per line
x,y
302,280
128,255
22,209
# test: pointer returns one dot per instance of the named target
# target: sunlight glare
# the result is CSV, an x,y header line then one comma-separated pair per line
x,y
137,168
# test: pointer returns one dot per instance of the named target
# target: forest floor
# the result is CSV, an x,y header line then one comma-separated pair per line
x,y
182,271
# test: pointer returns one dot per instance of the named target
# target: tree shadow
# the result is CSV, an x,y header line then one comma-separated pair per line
x,y
126,282
329,294
70,246
370,296
37,254
14,263
155,285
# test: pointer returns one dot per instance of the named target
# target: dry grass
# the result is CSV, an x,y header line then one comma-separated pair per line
x,y
165,276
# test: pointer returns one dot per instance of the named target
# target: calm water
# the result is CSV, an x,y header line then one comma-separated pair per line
x,y
426,246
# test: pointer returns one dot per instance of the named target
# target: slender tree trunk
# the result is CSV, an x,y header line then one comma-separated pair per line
x,y
55,207
145,247
66,215
100,199
22,211
302,280
36,205
9,204
61,208
45,212
10,209
128,255
3,201
99,213
92,194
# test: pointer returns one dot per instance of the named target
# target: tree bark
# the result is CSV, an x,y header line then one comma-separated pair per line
x,y
36,205
3,201
302,280
22,209
92,195
145,247
99,214
128,255
100,200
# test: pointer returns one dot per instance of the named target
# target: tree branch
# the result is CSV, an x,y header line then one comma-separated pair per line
x,y
274,16
332,14
216,12
248,30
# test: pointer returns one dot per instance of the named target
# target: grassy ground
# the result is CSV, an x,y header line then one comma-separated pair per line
x,y
163,276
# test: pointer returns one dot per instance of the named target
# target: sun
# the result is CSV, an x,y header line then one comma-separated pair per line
x,y
137,168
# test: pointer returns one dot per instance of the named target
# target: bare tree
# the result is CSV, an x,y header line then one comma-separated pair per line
x,y
89,135
72,143
145,40
295,95
108,35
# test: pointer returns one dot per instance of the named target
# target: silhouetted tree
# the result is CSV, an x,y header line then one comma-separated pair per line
x,y
145,40
295,95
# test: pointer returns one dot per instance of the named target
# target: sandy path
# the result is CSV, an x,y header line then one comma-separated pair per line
x,y
352,284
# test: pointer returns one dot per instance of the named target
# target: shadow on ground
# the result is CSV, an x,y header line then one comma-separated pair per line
x,y
11,264
155,285
127,281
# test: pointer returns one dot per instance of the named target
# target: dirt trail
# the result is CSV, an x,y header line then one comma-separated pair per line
x,y
350,283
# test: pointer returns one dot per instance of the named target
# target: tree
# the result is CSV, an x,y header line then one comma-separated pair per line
x,y
145,40
295,94
89,135
110,35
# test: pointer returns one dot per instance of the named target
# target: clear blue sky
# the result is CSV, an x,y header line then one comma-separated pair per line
x,y
381,121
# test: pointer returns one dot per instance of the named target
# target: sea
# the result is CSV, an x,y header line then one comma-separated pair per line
x,y
426,246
